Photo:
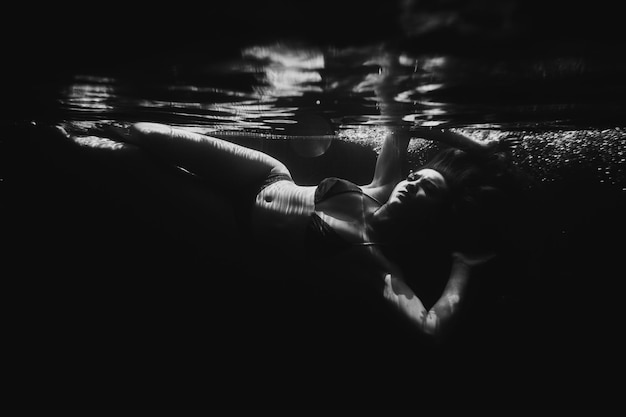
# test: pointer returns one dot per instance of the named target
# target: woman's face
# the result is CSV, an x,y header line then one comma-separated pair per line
x,y
421,191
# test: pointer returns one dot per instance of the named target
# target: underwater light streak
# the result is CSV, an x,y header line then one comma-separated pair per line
x,y
302,58
286,71
287,82
195,89
427,88
431,64
89,96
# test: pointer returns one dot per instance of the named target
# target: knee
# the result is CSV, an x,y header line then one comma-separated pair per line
x,y
278,168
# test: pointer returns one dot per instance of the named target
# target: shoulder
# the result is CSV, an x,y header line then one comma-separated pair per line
x,y
380,193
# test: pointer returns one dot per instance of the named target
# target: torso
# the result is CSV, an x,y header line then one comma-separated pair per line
x,y
283,212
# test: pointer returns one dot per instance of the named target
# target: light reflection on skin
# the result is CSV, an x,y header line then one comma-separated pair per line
x,y
288,203
287,207
425,185
99,143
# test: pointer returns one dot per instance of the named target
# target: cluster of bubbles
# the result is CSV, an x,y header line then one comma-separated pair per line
x,y
553,156
372,137
599,155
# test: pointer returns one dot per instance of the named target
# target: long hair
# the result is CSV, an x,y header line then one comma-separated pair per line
x,y
483,191
481,213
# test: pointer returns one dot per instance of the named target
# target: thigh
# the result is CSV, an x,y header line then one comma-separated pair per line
x,y
213,159
154,191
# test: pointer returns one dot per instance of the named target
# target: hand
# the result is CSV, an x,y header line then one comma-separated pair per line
x,y
504,144
473,259
388,292
387,84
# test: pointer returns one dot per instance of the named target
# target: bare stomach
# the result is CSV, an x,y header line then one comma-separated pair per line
x,y
281,214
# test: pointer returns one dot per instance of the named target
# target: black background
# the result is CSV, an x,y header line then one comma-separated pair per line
x,y
97,336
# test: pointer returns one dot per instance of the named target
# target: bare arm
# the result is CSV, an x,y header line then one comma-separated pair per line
x,y
389,165
394,151
392,156
438,319
466,143
388,170
401,296
448,137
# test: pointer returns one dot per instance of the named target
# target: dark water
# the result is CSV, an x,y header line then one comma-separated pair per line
x,y
129,285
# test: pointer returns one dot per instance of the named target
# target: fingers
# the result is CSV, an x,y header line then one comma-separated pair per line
x,y
509,142
512,140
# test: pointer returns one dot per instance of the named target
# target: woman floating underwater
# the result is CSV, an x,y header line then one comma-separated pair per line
x,y
360,224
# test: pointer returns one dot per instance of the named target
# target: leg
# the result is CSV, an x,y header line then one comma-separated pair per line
x,y
225,163
151,190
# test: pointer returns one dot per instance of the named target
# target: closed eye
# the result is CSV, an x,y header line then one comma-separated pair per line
x,y
428,184
429,187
